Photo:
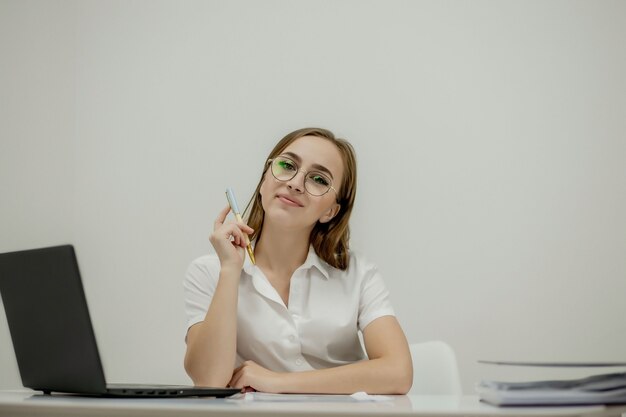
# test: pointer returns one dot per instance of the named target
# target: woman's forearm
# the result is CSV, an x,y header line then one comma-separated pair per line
x,y
389,371
212,343
375,376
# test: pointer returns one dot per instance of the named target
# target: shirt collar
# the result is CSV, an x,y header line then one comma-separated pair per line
x,y
248,266
312,260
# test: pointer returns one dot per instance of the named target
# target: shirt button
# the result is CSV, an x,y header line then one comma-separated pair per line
x,y
292,338
299,361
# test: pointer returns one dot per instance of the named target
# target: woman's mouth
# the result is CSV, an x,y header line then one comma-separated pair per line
x,y
288,201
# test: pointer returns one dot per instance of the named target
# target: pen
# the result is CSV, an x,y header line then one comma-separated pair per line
x,y
230,196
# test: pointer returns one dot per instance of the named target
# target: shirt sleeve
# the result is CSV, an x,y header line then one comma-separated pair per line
x,y
199,286
374,301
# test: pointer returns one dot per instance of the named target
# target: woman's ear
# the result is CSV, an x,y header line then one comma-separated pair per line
x,y
330,213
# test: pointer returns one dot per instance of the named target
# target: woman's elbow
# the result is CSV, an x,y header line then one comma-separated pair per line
x,y
203,379
403,384
190,370
404,387
403,379
189,367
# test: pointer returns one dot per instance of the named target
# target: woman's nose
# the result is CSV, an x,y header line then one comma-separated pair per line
x,y
297,182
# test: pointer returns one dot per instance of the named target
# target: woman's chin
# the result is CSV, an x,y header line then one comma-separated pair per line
x,y
285,219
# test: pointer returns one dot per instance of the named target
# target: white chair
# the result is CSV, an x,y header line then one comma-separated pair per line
x,y
435,371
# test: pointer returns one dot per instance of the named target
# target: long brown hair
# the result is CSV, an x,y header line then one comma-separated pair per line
x,y
331,239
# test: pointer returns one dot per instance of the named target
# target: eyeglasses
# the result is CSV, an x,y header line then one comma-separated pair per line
x,y
315,183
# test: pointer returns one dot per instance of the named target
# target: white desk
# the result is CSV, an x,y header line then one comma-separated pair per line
x,y
27,403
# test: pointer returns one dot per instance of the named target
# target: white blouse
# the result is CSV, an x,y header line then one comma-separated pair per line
x,y
318,329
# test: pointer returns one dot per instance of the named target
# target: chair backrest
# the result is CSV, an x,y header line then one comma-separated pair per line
x,y
435,371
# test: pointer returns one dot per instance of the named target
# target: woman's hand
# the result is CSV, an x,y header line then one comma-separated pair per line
x,y
229,240
251,375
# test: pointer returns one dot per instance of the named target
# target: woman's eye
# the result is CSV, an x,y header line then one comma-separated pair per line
x,y
286,165
318,179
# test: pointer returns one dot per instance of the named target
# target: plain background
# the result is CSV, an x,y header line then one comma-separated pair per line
x,y
490,138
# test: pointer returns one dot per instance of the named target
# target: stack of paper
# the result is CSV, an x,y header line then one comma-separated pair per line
x,y
609,388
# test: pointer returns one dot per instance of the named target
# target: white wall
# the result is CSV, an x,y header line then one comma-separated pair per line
x,y
37,115
498,129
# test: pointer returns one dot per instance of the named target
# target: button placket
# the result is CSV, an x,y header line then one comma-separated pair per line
x,y
295,293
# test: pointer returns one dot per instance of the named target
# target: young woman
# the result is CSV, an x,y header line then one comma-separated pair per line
x,y
290,323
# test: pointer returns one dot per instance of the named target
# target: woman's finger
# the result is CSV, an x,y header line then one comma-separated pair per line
x,y
238,229
238,237
245,228
234,381
221,218
229,230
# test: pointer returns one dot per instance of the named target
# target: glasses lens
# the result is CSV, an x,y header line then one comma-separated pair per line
x,y
284,169
316,183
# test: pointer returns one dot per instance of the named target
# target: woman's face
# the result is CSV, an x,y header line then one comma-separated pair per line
x,y
287,203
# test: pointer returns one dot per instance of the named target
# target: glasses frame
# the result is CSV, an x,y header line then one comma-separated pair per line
x,y
298,169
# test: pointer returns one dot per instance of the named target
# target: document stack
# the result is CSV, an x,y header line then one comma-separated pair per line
x,y
600,388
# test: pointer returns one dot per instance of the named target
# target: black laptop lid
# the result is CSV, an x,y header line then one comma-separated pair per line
x,y
49,321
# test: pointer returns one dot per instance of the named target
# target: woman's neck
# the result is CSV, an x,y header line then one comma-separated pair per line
x,y
281,250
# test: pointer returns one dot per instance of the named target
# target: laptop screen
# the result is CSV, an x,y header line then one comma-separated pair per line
x,y
49,321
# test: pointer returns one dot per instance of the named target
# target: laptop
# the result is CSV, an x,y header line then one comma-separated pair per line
x,y
51,329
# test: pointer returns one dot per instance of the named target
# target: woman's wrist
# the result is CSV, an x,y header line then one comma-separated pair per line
x,y
228,270
288,382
